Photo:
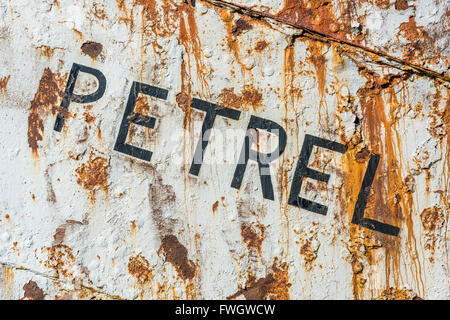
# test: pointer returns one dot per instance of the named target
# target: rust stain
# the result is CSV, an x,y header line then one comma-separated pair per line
x,y
363,155
133,227
142,107
93,175
98,11
8,281
316,15
387,202
140,269
318,60
432,219
92,49
60,260
401,5
249,97
261,45
161,196
275,286
189,38
159,19
46,51
233,33
3,83
398,294
215,206
317,18
78,33
240,26
32,291
46,99
183,101
251,237
309,254
60,233
177,255
88,117
126,17
418,38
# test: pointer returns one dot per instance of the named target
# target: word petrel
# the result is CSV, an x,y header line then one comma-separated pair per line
x,y
263,159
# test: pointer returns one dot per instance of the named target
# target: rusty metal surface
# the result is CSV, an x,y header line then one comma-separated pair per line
x,y
79,219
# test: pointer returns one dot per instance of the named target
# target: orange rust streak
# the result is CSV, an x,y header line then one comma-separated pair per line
x,y
46,99
3,83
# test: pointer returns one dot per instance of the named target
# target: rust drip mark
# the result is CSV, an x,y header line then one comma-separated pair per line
x,y
240,26
275,286
46,100
358,245
318,60
249,97
32,291
60,260
93,175
189,38
140,269
387,202
133,227
8,281
92,49
251,237
317,34
3,83
215,206
233,32
177,255
398,294
126,17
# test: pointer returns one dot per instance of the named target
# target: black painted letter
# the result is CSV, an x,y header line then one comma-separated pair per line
x,y
302,171
358,214
212,111
69,96
263,159
131,117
